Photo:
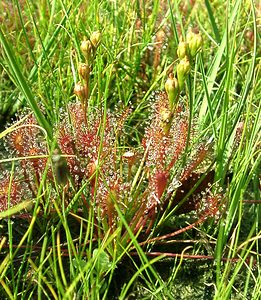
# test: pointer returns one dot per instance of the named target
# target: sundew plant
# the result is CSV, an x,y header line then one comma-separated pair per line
x,y
130,151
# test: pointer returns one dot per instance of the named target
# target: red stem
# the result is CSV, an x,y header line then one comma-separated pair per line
x,y
158,238
191,256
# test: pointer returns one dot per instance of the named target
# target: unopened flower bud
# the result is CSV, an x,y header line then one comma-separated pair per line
x,y
95,38
60,168
129,156
172,89
183,69
86,48
182,50
166,120
84,71
81,91
190,35
194,43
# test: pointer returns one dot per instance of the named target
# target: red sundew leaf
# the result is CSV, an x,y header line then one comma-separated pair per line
x,y
187,185
161,179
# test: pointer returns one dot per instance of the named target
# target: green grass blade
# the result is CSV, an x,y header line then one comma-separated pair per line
x,y
23,85
212,21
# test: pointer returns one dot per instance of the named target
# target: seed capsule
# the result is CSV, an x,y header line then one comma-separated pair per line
x,y
84,71
182,49
183,69
81,91
86,48
172,89
95,39
194,43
